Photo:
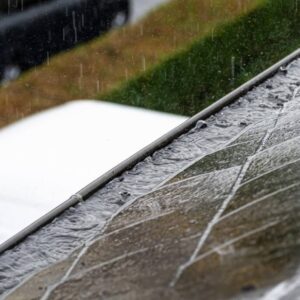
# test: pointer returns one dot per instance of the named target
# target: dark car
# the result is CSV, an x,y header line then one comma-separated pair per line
x,y
32,30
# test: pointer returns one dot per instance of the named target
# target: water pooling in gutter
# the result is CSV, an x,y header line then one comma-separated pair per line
x,y
84,222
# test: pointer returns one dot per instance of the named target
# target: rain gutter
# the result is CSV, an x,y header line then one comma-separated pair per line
x,y
166,139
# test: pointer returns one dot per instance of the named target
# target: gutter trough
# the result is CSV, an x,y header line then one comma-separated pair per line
x,y
126,165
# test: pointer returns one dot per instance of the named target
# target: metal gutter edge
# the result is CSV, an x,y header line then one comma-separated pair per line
x,y
145,152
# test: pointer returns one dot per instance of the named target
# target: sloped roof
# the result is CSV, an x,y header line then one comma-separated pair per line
x,y
214,215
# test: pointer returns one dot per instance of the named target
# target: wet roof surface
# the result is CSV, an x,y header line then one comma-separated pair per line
x,y
216,214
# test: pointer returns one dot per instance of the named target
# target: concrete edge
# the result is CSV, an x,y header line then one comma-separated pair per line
x,y
90,189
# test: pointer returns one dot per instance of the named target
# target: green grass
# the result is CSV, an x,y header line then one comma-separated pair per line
x,y
212,67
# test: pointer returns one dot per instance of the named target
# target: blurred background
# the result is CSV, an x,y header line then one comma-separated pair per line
x,y
87,83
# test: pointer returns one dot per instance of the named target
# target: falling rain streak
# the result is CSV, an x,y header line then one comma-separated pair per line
x,y
232,69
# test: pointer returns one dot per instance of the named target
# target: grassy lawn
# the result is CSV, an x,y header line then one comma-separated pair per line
x,y
154,52
210,68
